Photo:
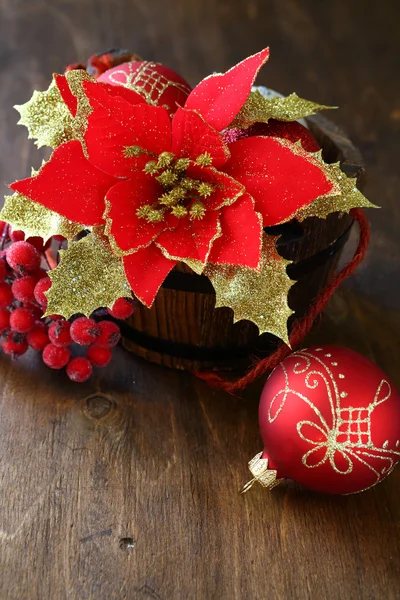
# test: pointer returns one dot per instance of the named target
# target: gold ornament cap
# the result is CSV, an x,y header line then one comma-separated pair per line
x,y
261,473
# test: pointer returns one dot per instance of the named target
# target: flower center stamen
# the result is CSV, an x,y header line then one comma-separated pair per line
x,y
182,196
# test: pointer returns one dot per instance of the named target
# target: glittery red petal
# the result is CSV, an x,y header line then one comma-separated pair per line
x,y
191,238
192,137
145,271
66,94
219,98
226,189
281,177
69,185
292,131
115,124
124,198
119,90
240,242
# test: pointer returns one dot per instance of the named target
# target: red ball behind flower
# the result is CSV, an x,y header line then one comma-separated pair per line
x,y
158,85
330,420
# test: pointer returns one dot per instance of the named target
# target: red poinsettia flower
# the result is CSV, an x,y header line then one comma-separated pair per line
x,y
173,189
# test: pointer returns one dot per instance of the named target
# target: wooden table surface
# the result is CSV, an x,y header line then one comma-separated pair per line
x,y
126,487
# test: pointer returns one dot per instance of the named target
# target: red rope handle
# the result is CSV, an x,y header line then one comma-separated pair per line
x,y
302,326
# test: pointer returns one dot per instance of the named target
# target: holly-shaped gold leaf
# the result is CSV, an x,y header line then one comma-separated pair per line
x,y
259,109
36,220
88,277
75,79
47,118
260,297
349,197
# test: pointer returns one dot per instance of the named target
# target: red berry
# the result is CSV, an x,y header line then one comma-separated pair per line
x,y
98,356
17,236
15,344
3,270
109,334
41,287
59,333
38,337
23,258
55,357
6,295
23,288
37,242
4,319
35,310
122,308
21,320
79,369
84,331
39,274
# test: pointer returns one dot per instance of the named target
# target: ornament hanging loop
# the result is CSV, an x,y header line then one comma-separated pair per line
x,y
248,486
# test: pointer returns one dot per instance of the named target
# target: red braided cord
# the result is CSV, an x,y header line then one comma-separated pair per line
x,y
301,327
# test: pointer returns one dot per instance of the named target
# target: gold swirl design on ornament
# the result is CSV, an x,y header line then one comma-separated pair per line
x,y
349,435
144,81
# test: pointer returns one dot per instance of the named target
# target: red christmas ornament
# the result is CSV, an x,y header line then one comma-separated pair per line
x,y
330,420
158,85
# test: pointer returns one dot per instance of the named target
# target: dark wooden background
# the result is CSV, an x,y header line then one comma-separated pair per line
x,y
126,487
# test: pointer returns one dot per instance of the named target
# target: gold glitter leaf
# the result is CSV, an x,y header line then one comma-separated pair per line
x,y
350,196
47,118
36,220
259,109
89,276
75,80
260,297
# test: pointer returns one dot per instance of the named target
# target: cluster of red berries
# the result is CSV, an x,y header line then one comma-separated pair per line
x,y
23,284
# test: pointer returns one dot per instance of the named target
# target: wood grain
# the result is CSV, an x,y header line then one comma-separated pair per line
x,y
126,487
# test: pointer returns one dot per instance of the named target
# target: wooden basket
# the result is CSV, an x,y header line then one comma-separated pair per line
x,y
183,329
